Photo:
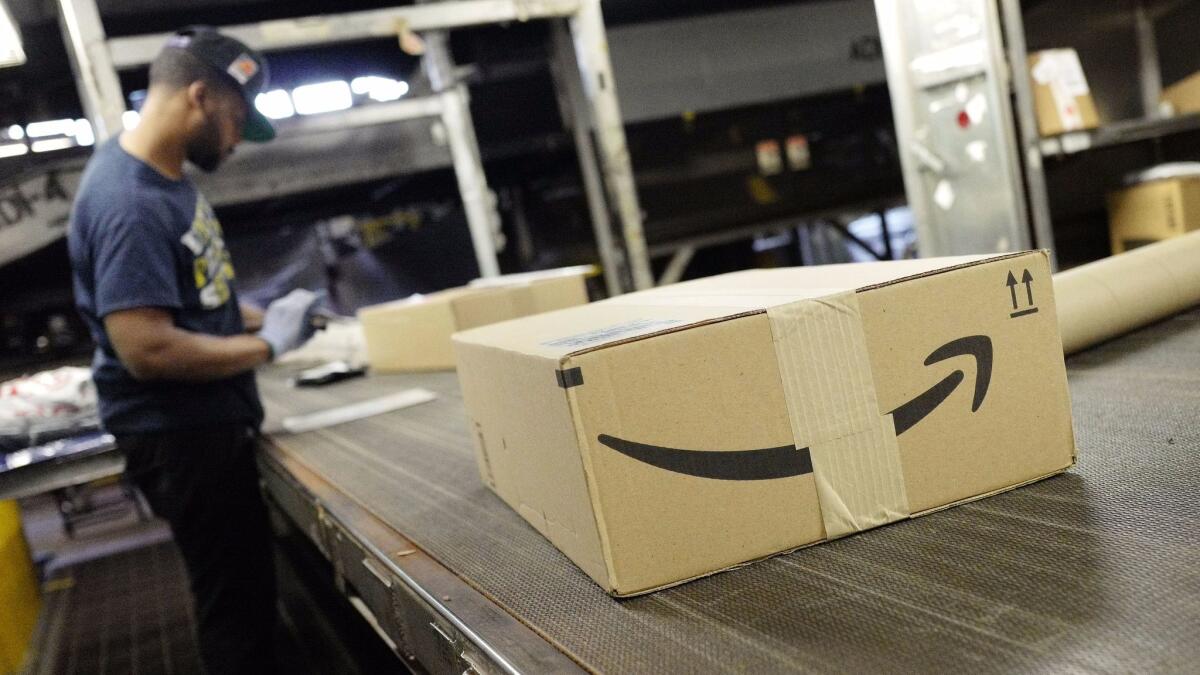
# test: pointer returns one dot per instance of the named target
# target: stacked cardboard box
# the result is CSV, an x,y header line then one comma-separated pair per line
x,y
1153,211
413,334
1183,97
1061,97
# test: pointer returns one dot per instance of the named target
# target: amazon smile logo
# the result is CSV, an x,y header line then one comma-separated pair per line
x,y
787,460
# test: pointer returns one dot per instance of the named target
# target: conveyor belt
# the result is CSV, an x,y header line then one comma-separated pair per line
x,y
1097,570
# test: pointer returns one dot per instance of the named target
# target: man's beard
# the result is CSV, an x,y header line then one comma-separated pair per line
x,y
204,149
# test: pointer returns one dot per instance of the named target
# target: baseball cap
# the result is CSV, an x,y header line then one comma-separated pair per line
x,y
243,66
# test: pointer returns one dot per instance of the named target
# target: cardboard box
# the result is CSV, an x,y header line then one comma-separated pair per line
x,y
413,334
1061,97
1153,211
1184,95
661,436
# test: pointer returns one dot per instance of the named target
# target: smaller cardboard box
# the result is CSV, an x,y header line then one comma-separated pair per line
x,y
413,334
661,436
1153,211
1061,97
1184,96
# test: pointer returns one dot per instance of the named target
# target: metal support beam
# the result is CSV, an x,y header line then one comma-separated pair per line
x,y
575,114
591,50
381,23
479,202
1150,73
1029,139
376,113
677,266
99,88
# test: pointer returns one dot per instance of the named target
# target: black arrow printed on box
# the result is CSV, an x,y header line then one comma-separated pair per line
x,y
1027,279
788,460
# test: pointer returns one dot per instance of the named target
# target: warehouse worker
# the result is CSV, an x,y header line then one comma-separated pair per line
x,y
174,363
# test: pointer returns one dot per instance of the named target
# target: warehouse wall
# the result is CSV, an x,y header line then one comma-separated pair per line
x,y
734,59
1176,35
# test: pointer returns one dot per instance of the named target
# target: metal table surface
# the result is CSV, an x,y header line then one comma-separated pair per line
x,y
1096,570
59,464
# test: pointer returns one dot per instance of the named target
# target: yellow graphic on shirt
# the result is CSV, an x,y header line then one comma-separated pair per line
x,y
212,268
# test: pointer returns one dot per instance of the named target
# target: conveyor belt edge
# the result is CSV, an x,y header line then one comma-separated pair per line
x,y
431,614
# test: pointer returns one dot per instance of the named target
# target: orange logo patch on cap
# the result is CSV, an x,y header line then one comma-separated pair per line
x,y
242,69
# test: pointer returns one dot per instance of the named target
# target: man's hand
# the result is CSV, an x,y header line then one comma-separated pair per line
x,y
288,323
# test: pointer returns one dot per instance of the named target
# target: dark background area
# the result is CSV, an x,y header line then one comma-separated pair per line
x,y
696,172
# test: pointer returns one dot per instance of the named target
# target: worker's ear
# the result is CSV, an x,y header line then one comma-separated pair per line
x,y
198,94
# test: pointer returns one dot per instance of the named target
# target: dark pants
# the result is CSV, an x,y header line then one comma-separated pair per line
x,y
204,483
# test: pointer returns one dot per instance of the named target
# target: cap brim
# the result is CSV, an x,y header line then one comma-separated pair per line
x,y
258,128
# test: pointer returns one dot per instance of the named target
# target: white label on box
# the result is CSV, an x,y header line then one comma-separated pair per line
x,y
1044,71
1068,108
611,333
1070,73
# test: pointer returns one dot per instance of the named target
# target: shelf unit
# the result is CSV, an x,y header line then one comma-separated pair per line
x,y
1068,176
1117,133
978,175
580,48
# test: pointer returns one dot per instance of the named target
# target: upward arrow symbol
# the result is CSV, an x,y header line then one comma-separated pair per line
x,y
1026,279
1012,287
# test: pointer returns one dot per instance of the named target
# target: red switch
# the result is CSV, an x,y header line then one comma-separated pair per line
x,y
964,120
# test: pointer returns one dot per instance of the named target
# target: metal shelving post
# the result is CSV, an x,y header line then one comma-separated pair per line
x,y
479,201
577,116
1027,131
591,50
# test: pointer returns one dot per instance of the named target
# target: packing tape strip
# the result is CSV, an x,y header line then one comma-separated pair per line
x,y
1109,297
834,412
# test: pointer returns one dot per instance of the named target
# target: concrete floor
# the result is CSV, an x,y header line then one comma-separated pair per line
x,y
116,600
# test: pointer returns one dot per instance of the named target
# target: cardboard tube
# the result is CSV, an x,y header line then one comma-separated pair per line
x,y
1109,297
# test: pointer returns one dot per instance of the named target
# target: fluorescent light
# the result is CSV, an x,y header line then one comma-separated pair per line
x,y
16,133
379,88
50,128
52,144
11,51
13,150
19,459
322,97
83,132
275,104
130,119
389,90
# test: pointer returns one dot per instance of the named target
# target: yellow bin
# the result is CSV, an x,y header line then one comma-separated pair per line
x,y
19,601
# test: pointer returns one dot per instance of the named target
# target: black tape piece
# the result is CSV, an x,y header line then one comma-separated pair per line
x,y
763,464
571,377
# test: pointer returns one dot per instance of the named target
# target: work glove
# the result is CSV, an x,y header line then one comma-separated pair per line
x,y
288,322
